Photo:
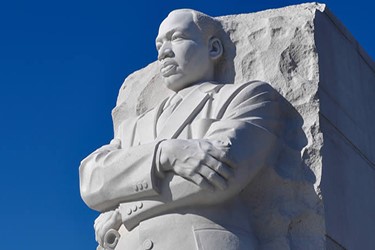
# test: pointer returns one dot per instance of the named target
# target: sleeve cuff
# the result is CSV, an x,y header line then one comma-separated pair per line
x,y
158,152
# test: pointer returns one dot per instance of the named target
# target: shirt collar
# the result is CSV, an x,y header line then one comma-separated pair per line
x,y
204,87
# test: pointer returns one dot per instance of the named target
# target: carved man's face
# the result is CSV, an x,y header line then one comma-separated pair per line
x,y
183,52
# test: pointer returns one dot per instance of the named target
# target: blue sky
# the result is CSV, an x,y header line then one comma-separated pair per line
x,y
61,65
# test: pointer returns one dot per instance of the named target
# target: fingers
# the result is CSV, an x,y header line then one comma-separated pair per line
x,y
219,151
98,224
221,168
101,233
206,177
105,222
212,177
111,238
199,161
201,182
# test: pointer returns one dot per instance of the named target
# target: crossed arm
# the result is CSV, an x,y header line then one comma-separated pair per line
x,y
205,170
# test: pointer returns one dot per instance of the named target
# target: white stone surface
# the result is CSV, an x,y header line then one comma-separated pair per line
x,y
184,175
276,46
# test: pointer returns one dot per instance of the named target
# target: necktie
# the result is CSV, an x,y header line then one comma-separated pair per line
x,y
168,109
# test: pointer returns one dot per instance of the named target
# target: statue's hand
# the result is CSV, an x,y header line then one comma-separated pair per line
x,y
196,160
105,222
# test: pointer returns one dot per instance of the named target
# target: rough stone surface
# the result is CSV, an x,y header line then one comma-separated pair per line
x,y
312,60
196,165
276,46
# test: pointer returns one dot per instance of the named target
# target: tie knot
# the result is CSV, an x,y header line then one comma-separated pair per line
x,y
173,101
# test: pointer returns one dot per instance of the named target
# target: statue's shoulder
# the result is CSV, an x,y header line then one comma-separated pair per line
x,y
248,85
246,89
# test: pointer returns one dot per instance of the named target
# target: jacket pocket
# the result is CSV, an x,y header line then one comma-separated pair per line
x,y
219,238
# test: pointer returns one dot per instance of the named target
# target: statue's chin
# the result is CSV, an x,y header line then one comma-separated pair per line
x,y
174,84
177,82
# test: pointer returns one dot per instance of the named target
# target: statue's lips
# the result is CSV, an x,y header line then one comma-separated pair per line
x,y
168,69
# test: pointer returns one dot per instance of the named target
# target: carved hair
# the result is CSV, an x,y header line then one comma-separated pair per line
x,y
209,26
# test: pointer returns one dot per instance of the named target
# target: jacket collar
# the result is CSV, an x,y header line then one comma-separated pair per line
x,y
193,101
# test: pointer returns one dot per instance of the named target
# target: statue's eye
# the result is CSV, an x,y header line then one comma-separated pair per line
x,y
177,36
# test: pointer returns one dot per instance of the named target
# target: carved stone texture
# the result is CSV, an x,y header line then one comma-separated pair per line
x,y
275,46
309,57
192,166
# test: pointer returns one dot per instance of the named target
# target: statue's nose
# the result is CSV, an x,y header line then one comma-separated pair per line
x,y
165,52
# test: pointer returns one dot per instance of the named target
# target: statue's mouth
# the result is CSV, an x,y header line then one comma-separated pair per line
x,y
168,69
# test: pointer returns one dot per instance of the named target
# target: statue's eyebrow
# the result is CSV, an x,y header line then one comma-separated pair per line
x,y
158,39
167,35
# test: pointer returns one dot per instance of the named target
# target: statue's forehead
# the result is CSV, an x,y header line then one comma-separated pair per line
x,y
178,21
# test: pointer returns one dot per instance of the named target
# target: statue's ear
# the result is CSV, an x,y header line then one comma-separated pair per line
x,y
216,48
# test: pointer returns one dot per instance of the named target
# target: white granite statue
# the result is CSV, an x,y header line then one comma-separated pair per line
x,y
172,177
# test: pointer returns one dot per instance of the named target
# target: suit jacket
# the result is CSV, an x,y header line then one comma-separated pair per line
x,y
171,212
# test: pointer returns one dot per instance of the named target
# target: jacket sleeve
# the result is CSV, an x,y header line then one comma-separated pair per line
x,y
110,177
247,129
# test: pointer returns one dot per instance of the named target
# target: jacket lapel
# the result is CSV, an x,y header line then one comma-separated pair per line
x,y
186,111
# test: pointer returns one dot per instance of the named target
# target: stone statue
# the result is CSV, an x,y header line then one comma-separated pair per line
x,y
172,178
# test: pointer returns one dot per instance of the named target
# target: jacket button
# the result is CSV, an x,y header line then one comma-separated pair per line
x,y
140,205
135,208
145,185
129,211
140,187
148,244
